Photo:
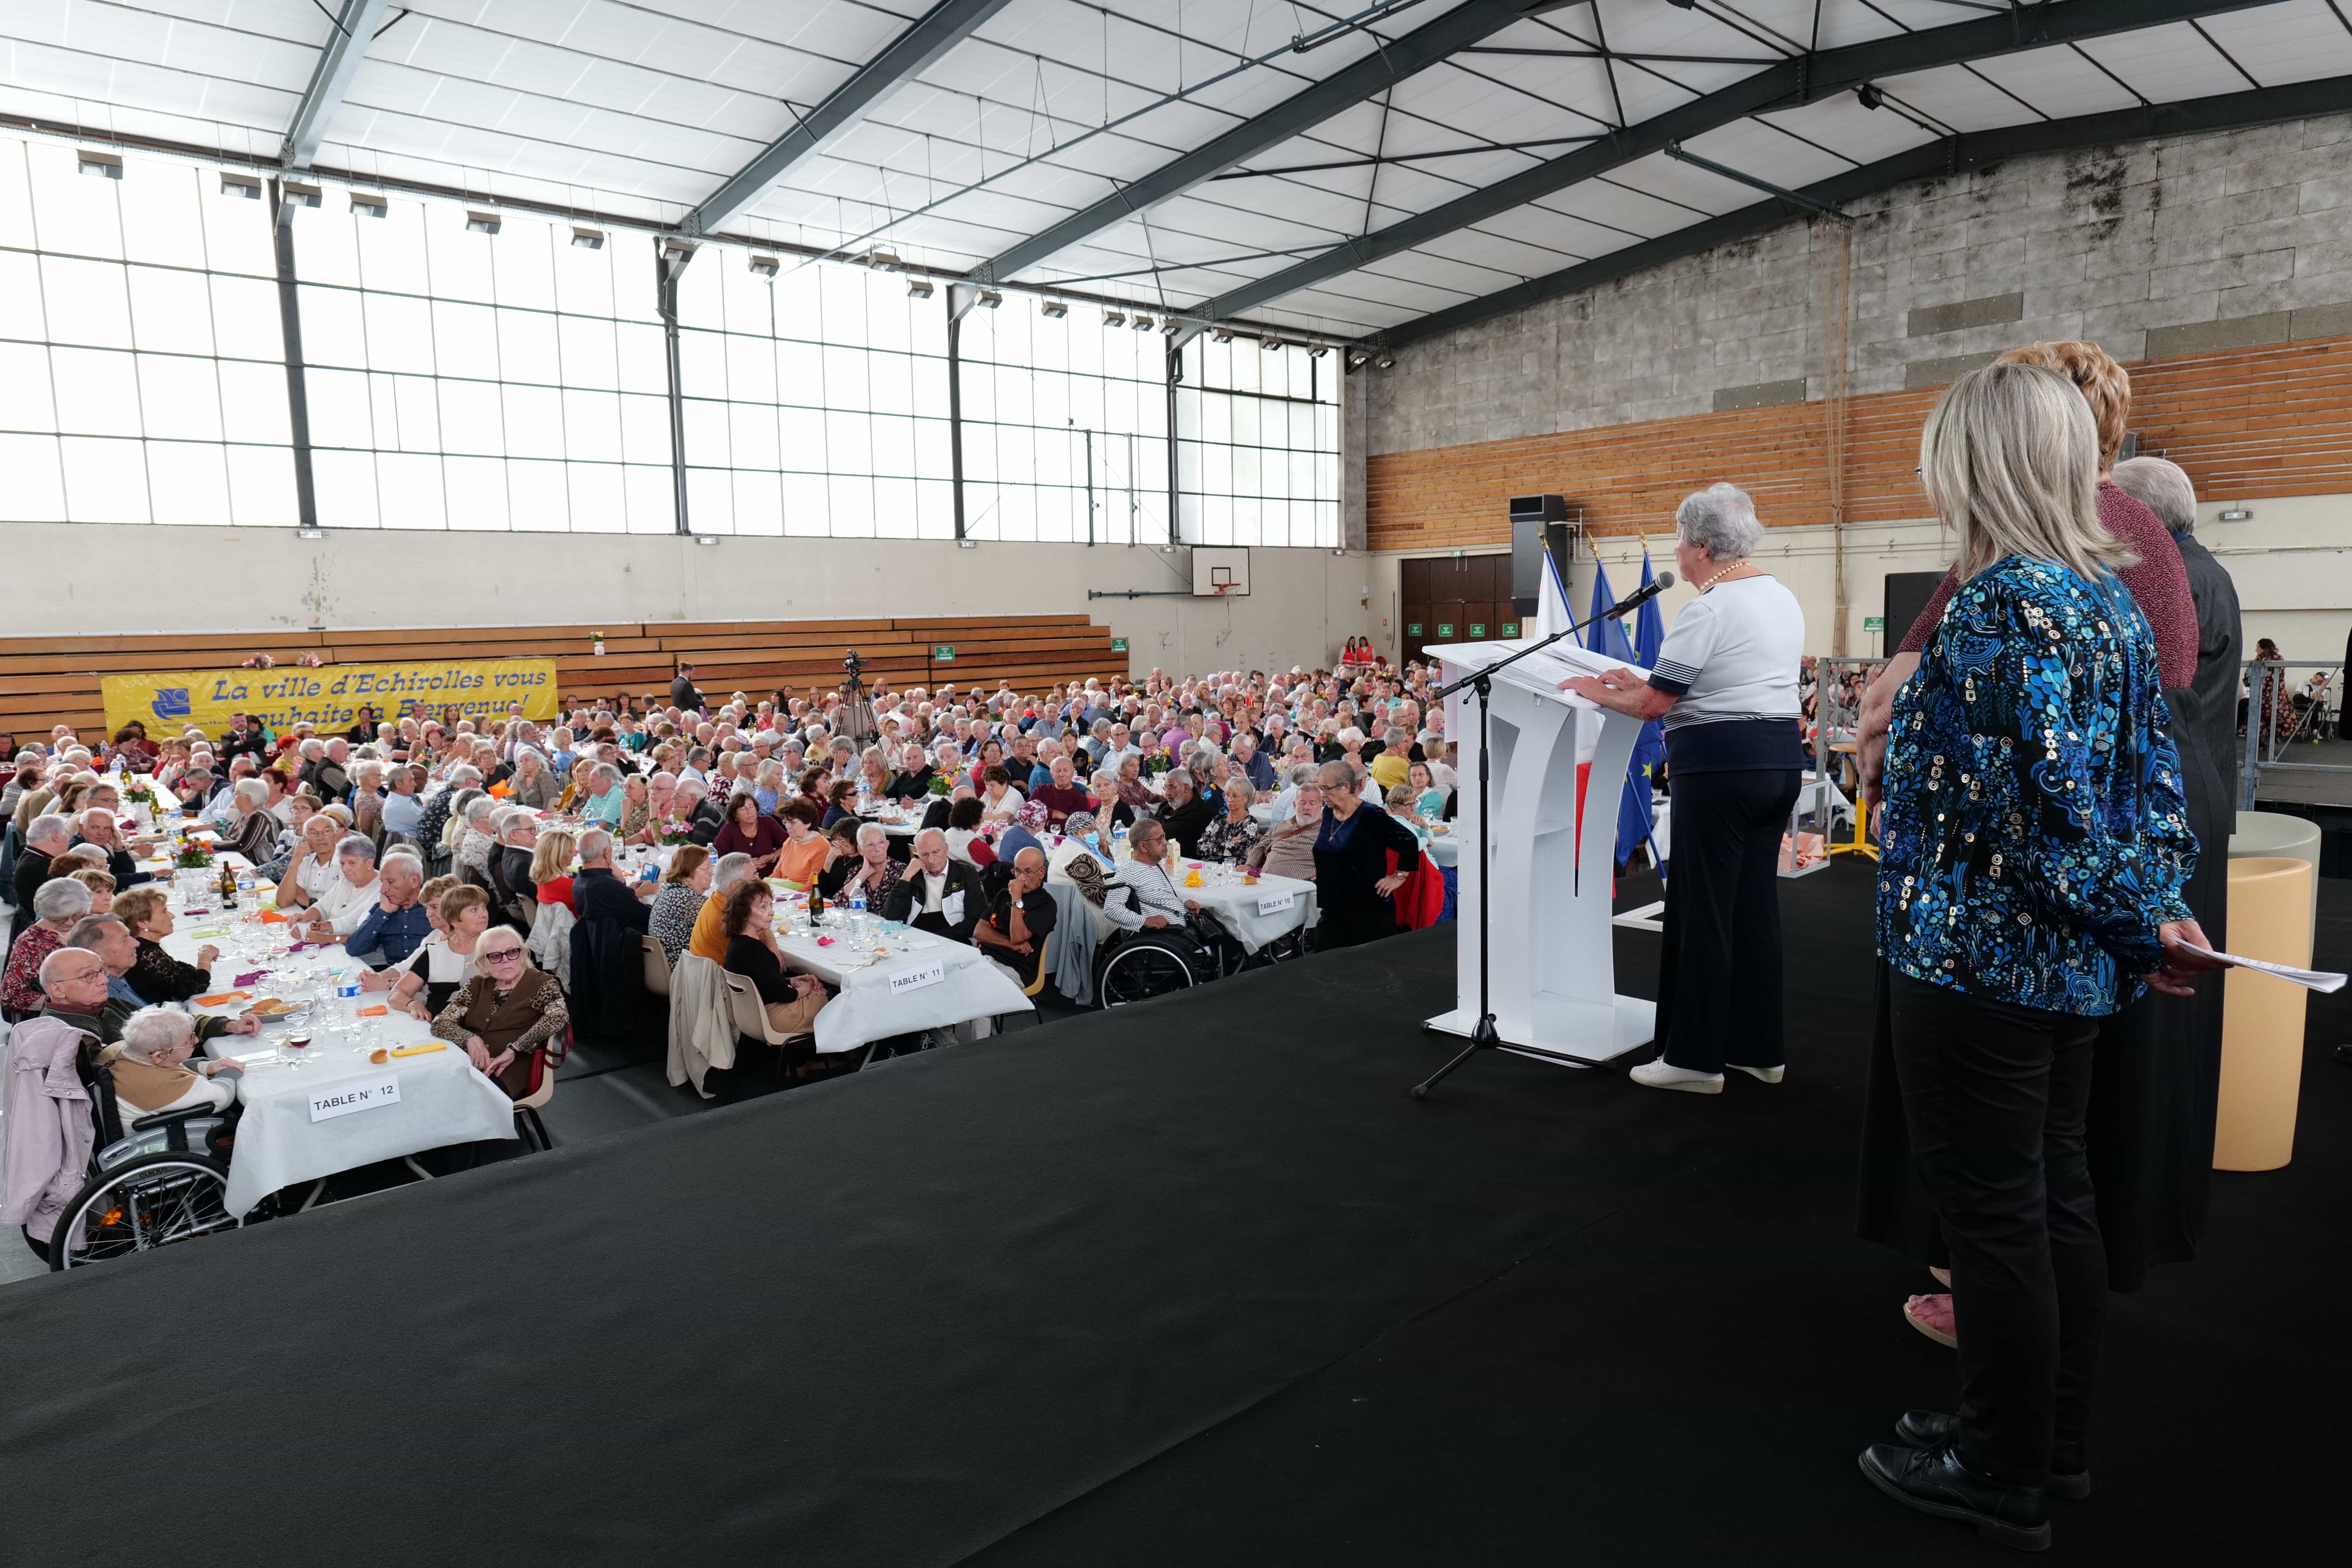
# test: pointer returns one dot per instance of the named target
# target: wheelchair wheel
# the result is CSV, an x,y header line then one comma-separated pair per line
x,y
1144,967
146,1203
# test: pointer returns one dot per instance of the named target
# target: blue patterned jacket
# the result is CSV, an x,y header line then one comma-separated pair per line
x,y
2035,831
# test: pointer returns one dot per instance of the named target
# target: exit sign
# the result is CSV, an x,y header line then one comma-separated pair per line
x,y
1119,645
1412,629
1477,628
943,653
1510,629
1874,623
1445,628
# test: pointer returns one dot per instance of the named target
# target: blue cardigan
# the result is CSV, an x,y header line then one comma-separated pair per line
x,y
2035,832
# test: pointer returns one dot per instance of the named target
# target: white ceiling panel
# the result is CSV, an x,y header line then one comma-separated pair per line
x,y
643,108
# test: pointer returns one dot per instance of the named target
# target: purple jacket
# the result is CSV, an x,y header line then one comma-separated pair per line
x,y
45,1132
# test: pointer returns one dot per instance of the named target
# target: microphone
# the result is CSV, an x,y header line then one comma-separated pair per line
x,y
1639,597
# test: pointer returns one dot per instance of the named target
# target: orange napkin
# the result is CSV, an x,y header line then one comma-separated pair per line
x,y
272,918
221,998
377,1011
419,1050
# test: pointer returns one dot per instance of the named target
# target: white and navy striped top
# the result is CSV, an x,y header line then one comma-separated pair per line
x,y
1730,661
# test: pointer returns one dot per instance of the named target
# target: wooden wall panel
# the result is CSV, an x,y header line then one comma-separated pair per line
x,y
47,681
2271,421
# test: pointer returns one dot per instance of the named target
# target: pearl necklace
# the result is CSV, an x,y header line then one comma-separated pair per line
x,y
1719,577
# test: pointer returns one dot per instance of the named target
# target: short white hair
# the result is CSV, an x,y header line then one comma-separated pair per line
x,y
730,870
60,898
253,790
45,826
358,844
1719,519
595,844
404,862
153,1029
2163,488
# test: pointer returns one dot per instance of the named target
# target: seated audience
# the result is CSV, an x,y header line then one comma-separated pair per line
x,y
709,938
1232,835
551,869
152,1072
46,838
937,893
1144,896
792,1001
749,831
1019,918
965,841
395,922
685,888
56,905
155,975
340,909
445,960
805,852
506,1015
1181,812
1287,848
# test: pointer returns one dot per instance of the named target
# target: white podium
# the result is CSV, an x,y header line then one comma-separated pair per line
x,y
1550,967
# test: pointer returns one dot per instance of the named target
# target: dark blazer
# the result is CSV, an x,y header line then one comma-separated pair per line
x,y
608,968
905,903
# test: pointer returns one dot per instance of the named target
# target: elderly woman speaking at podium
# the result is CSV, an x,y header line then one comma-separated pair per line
x,y
1726,686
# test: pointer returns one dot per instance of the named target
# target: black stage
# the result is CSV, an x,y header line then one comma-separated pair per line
x,y
1195,1281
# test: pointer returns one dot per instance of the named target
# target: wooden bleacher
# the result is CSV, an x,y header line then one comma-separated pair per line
x,y
47,681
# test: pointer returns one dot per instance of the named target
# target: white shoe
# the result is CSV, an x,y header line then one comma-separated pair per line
x,y
1762,1075
1658,1075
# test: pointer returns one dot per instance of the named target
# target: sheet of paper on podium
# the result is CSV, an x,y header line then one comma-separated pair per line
x,y
1544,670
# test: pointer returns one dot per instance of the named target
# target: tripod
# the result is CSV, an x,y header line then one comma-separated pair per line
x,y
1483,1036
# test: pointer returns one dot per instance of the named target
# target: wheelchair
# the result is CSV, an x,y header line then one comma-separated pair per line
x,y
160,1182
1135,966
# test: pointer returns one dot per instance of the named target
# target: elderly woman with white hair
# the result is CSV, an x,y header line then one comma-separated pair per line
x,y
151,1068
255,831
533,784
473,839
1726,687
56,904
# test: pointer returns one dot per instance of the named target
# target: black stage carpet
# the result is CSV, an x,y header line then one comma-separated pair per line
x,y
1192,1280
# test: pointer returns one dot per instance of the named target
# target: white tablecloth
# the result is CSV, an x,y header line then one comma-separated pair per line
x,y
1235,902
443,1099
869,1008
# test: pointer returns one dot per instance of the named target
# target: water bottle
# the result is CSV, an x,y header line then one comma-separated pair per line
x,y
857,912
244,879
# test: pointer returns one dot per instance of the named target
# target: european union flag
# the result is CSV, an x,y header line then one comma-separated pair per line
x,y
172,702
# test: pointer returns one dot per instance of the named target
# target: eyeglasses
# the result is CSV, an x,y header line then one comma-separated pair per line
x,y
503,955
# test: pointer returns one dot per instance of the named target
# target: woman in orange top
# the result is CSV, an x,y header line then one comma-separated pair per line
x,y
806,851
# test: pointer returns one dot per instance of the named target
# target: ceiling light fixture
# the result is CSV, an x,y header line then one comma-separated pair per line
x,y
1270,344
1113,318
884,260
244,185
1386,361
478,223
588,238
100,165
1141,324
1358,359
1870,95
918,288
990,299
300,196
1317,351
765,266
364,205
1221,335
1055,307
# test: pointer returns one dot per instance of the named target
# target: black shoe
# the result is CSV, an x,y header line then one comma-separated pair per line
x,y
1936,1481
2070,1475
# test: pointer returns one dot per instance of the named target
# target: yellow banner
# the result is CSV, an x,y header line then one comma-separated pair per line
x,y
331,696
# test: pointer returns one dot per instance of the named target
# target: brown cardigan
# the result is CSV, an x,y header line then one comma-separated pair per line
x,y
527,1018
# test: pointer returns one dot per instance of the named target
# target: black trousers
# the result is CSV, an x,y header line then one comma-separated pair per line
x,y
1719,971
1349,922
1995,1095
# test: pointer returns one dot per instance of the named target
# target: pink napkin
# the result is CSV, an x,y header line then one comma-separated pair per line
x,y
824,942
254,978
205,912
304,946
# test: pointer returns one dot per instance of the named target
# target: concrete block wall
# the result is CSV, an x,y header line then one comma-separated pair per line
x,y
2158,248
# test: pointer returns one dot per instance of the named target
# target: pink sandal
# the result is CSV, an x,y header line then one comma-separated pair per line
x,y
1932,1316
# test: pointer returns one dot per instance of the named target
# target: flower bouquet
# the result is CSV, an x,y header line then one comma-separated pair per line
x,y
674,834
192,856
941,784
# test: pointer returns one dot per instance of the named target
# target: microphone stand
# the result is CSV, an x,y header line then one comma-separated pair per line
x,y
1483,1036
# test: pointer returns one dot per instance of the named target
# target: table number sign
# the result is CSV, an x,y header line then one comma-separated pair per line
x,y
916,979
359,1094
1276,904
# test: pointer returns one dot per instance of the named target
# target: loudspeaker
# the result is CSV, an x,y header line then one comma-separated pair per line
x,y
1538,525
1907,593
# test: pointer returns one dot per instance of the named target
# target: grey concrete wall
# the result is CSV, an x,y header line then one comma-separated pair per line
x,y
2159,247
